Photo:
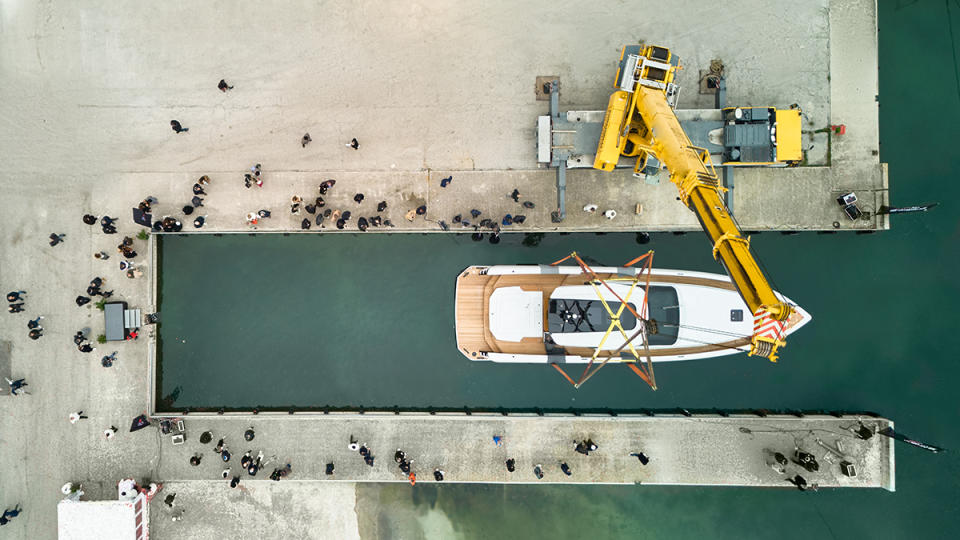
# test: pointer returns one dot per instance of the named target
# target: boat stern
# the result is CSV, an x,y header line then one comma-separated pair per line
x,y
469,312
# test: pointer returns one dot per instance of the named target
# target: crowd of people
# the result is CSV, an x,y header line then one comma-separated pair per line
x,y
17,303
248,463
793,469
321,214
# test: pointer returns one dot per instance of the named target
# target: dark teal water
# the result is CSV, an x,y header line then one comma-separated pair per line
x,y
367,320
883,338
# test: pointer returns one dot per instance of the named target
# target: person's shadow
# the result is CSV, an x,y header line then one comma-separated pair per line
x,y
425,494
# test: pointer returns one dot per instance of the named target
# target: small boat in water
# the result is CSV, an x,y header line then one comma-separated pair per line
x,y
566,315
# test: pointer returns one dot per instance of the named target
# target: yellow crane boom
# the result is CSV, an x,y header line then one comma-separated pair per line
x,y
640,122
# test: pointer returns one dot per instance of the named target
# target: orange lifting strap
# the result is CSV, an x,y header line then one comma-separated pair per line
x,y
644,372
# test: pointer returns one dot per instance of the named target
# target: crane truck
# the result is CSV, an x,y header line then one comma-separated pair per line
x,y
640,122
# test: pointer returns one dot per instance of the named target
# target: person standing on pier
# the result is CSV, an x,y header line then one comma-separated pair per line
x,y
538,471
776,461
177,127
806,460
325,185
798,481
16,386
585,447
9,514
565,468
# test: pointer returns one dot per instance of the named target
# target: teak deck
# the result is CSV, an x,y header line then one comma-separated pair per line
x,y
473,311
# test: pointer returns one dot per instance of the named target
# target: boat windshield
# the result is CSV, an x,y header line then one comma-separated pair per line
x,y
567,316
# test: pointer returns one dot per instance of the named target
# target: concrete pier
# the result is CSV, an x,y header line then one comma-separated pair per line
x,y
696,450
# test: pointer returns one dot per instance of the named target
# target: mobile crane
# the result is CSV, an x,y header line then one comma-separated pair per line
x,y
640,122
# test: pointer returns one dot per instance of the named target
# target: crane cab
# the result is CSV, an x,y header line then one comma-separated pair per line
x,y
761,136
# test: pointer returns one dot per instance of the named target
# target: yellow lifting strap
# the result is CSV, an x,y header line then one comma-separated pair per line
x,y
729,237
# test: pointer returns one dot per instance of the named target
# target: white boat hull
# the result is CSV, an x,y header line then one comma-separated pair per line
x,y
706,328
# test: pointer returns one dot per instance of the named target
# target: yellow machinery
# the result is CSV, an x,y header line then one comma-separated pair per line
x,y
640,122
762,136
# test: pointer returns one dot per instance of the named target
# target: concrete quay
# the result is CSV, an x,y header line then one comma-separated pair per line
x,y
824,58
89,90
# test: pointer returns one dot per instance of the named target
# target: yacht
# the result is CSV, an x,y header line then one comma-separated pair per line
x,y
554,314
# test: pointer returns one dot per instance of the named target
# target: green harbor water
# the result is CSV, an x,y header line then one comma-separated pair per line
x,y
367,321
